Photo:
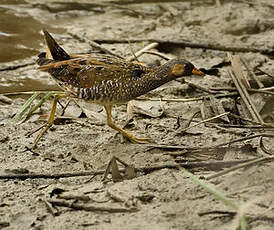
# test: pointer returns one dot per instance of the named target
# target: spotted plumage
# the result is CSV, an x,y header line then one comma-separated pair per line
x,y
106,79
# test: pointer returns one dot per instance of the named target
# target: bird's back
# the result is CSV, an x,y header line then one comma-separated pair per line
x,y
98,77
106,79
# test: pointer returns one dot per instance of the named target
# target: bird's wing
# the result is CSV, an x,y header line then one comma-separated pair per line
x,y
84,71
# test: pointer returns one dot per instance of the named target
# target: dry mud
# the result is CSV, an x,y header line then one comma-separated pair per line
x,y
162,199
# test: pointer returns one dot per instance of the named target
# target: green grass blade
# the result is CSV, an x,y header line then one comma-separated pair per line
x,y
29,92
243,224
25,107
212,190
41,102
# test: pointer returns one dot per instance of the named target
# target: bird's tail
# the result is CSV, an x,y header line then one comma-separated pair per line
x,y
54,51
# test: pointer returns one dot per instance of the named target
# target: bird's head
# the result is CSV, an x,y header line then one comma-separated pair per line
x,y
180,68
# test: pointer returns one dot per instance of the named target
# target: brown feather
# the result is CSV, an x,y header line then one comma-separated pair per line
x,y
105,78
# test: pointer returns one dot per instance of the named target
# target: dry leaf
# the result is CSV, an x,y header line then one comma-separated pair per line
x,y
152,109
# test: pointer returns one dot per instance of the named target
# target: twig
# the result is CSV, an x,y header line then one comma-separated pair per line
x,y
223,88
94,44
50,175
5,99
221,213
243,139
164,56
199,87
198,45
192,165
256,161
133,54
188,165
216,107
267,88
171,99
262,90
187,99
171,147
51,209
204,121
263,147
88,207
249,105
245,119
74,197
236,132
137,13
267,74
252,75
269,126
65,106
140,52
241,88
187,124
236,66
127,2
181,147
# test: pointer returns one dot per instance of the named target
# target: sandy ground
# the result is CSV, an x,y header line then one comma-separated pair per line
x,y
161,199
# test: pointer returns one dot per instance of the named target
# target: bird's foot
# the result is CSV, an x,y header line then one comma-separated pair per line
x,y
136,140
51,119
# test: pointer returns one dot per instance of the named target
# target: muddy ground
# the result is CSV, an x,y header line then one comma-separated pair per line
x,y
160,199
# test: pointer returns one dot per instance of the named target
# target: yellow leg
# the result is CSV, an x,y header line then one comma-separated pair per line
x,y
129,136
50,120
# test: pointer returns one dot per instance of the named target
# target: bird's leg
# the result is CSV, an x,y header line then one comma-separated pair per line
x,y
129,136
50,120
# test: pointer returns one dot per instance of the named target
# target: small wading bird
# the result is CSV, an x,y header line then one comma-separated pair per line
x,y
105,79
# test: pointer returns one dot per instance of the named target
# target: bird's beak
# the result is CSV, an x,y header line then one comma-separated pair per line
x,y
196,71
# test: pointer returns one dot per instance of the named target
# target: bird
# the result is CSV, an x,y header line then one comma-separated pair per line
x,y
105,79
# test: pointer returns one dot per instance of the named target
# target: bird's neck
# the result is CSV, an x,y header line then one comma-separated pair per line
x,y
161,75
152,80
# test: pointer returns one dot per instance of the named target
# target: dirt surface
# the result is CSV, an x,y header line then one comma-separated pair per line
x,y
161,199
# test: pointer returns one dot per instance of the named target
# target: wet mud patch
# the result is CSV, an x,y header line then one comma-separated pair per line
x,y
19,37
